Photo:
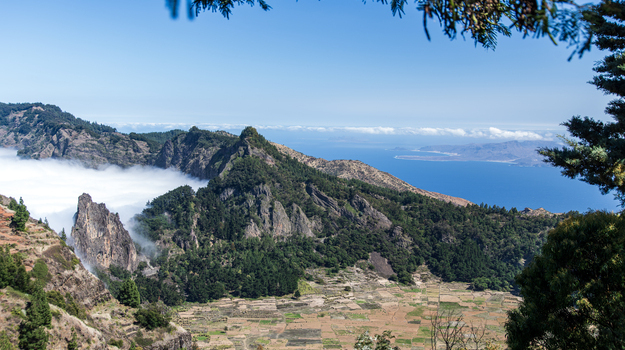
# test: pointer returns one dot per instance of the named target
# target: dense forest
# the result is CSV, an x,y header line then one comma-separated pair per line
x,y
210,252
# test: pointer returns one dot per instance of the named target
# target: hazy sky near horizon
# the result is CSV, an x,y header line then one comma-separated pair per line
x,y
304,64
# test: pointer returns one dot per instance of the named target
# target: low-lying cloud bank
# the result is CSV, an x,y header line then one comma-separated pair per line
x,y
485,133
50,188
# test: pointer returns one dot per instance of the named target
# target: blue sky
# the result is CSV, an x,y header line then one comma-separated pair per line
x,y
307,63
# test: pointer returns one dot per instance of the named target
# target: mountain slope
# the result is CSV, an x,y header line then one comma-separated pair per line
x,y
80,305
354,169
255,229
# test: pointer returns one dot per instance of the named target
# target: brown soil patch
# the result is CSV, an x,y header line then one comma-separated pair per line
x,y
332,317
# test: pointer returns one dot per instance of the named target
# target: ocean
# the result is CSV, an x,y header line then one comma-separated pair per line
x,y
491,183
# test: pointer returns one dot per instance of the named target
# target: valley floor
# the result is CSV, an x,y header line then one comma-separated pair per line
x,y
333,311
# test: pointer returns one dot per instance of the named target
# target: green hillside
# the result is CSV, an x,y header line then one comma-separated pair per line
x,y
255,229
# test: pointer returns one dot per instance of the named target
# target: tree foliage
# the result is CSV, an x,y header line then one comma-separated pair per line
x,y
573,292
32,333
482,20
596,151
153,316
129,294
20,218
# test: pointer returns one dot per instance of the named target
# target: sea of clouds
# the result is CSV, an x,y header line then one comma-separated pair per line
x,y
50,188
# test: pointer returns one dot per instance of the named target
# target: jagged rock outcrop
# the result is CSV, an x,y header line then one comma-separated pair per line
x,y
536,212
68,276
322,200
300,222
370,216
365,214
100,238
401,239
252,230
280,220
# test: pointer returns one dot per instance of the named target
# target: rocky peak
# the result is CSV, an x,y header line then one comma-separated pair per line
x,y
536,212
100,238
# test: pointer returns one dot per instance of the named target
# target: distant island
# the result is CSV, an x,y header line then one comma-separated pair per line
x,y
520,153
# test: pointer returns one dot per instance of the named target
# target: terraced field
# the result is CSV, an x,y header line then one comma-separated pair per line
x,y
333,311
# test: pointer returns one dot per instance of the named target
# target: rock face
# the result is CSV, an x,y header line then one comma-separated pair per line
x,y
100,238
179,339
199,153
27,131
274,219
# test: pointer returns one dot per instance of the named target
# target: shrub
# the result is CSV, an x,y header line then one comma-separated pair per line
x,y
153,316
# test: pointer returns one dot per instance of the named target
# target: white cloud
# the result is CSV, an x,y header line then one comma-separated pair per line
x,y
516,135
490,132
50,188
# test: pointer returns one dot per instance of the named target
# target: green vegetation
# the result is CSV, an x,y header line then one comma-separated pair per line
x,y
40,272
116,343
32,335
417,312
448,305
66,303
573,292
20,218
129,294
5,341
155,140
13,272
378,342
458,243
153,316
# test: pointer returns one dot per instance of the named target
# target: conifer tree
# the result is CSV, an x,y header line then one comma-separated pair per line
x,y
21,281
596,153
32,333
7,267
574,291
20,218
129,293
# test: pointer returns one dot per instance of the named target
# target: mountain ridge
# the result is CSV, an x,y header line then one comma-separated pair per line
x,y
44,131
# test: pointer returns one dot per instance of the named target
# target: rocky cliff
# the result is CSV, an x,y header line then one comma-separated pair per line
x,y
43,131
200,153
100,238
89,312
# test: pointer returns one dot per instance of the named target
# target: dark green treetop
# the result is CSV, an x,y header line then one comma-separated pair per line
x,y
129,294
573,293
20,218
32,335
